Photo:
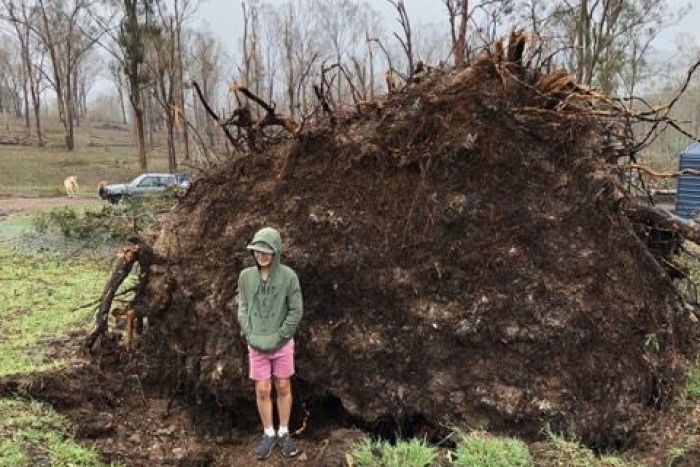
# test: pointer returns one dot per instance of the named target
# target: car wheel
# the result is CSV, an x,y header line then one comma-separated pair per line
x,y
113,199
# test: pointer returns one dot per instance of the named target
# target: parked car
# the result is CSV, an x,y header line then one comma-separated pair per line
x,y
145,184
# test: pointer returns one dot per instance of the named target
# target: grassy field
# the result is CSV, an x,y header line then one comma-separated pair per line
x,y
99,155
32,433
43,279
39,294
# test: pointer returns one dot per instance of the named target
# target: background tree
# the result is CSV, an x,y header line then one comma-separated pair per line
x,y
67,32
458,13
208,70
598,35
136,27
163,64
19,14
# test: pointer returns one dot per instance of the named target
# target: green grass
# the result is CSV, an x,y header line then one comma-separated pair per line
x,y
15,227
100,155
39,293
32,433
674,455
43,278
570,453
405,453
692,383
479,449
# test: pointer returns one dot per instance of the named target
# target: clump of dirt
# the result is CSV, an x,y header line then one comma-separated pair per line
x,y
464,256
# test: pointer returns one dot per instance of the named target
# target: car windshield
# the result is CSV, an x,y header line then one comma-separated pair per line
x,y
132,180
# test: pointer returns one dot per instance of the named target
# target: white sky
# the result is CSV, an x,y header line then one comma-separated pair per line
x,y
223,17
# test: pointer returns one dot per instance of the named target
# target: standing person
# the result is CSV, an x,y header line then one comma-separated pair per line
x,y
269,310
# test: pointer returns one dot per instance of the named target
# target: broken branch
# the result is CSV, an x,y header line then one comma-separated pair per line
x,y
213,114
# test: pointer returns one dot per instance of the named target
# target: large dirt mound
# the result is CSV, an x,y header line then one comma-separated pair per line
x,y
464,259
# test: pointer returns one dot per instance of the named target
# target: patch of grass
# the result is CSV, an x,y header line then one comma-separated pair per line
x,y
38,295
674,455
15,227
480,449
692,383
34,434
566,452
10,453
405,453
99,155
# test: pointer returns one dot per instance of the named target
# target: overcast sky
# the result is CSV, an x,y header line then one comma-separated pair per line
x,y
223,17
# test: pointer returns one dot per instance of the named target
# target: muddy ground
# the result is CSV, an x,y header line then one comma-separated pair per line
x,y
130,422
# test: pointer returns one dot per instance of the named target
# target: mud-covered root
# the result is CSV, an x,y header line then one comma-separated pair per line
x,y
136,252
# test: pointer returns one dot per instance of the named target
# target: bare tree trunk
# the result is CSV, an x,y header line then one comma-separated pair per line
x,y
170,124
370,54
83,99
407,41
140,136
208,124
288,41
37,115
76,100
181,82
34,84
69,117
461,45
63,90
27,120
121,104
132,72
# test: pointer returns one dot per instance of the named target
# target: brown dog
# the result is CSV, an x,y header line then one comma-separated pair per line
x,y
101,188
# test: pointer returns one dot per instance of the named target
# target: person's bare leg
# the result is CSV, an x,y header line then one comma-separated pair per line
x,y
262,397
283,387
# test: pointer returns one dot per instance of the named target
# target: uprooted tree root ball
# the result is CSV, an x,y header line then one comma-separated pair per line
x,y
465,259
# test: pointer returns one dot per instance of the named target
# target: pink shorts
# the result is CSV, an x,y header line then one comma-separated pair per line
x,y
279,363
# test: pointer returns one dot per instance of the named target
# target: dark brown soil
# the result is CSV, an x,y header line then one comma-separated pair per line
x,y
464,260
130,422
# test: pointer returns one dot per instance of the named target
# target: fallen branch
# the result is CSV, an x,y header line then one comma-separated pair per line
x,y
16,141
271,118
213,114
661,219
388,58
657,119
652,173
323,101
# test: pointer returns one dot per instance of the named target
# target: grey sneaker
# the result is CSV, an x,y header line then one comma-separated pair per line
x,y
289,447
264,449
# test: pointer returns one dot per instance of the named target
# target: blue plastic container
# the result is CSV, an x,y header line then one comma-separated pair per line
x,y
688,192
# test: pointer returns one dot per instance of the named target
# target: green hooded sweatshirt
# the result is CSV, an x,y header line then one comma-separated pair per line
x,y
269,311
